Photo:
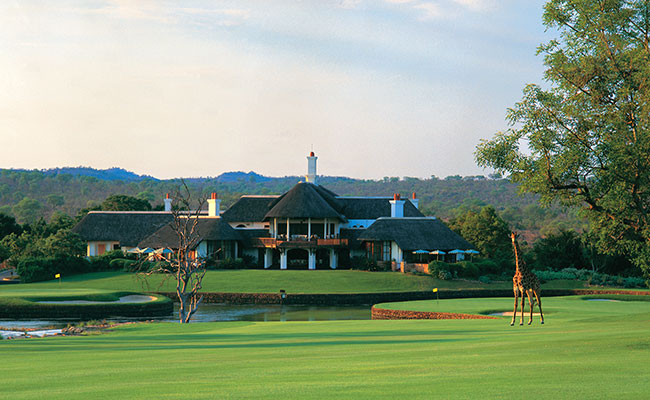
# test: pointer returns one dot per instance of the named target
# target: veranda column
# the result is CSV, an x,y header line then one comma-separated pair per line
x,y
312,259
326,230
334,261
308,228
288,234
283,259
275,228
268,258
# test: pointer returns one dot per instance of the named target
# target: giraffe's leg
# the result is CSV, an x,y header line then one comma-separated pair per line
x,y
539,303
530,304
523,303
514,312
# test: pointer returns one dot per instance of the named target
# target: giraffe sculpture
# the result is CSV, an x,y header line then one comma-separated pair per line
x,y
524,283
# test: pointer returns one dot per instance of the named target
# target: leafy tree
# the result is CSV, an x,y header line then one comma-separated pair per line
x,y
5,253
21,245
588,133
60,220
119,202
63,243
485,230
55,200
27,210
8,225
560,250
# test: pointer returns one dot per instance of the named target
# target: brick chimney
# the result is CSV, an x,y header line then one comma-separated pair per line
x,y
168,203
214,205
397,206
415,201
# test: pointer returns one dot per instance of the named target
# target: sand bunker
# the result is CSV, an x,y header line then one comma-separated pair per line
x,y
617,301
132,298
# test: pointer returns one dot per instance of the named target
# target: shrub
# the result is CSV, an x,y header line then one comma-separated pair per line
x,y
36,269
437,266
444,275
363,263
468,269
103,262
484,279
227,263
487,266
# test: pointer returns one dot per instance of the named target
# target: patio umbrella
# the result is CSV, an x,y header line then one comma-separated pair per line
x,y
457,251
420,252
163,251
437,253
471,253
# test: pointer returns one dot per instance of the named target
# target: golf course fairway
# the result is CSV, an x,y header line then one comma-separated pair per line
x,y
586,349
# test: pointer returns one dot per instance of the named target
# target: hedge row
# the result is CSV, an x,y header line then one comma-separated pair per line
x,y
17,308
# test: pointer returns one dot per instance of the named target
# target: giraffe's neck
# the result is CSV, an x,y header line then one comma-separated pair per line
x,y
519,262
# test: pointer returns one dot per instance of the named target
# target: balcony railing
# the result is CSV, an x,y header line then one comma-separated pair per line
x,y
297,241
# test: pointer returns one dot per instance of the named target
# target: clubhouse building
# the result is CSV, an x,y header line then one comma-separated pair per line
x,y
308,227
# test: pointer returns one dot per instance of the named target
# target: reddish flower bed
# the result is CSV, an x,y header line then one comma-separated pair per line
x,y
381,313
375,298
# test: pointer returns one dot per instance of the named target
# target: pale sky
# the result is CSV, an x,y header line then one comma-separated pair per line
x,y
197,88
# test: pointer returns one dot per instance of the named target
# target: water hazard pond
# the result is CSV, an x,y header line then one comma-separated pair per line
x,y
229,312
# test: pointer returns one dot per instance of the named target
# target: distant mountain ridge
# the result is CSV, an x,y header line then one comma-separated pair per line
x,y
115,173
110,174
235,176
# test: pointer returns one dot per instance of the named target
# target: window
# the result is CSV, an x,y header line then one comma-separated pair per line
x,y
386,251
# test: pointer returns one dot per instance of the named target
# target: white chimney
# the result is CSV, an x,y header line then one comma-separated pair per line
x,y
214,205
168,203
415,201
397,206
311,169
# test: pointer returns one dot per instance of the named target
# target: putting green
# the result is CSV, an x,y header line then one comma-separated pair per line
x,y
586,349
23,301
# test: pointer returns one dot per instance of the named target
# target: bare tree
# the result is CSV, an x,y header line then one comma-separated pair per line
x,y
184,264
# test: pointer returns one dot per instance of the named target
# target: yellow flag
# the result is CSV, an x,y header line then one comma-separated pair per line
x,y
435,290
57,276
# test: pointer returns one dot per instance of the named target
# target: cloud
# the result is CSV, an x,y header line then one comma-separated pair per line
x,y
348,4
153,11
439,9
429,11
399,1
476,5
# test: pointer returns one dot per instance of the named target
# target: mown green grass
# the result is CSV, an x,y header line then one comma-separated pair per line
x,y
585,350
271,281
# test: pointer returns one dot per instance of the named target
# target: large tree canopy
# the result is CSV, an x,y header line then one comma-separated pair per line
x,y
120,202
587,134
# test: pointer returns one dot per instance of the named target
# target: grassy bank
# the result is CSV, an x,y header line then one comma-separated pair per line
x,y
23,302
586,349
261,281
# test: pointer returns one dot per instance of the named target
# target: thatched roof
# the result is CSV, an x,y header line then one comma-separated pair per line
x,y
352,235
126,227
249,209
415,234
373,207
206,229
305,200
